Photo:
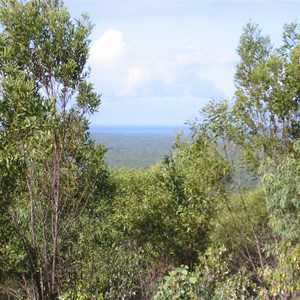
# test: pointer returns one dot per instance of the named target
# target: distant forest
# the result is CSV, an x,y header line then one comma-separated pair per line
x,y
135,148
186,226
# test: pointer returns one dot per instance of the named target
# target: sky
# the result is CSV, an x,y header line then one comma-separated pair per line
x,y
158,62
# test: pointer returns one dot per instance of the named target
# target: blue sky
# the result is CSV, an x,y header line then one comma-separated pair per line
x,y
159,62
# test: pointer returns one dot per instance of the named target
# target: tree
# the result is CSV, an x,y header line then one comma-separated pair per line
x,y
50,169
263,118
261,124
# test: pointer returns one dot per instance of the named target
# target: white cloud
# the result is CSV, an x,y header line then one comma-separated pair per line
x,y
108,49
185,72
134,78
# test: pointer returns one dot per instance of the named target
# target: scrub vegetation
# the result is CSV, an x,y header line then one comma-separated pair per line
x,y
185,228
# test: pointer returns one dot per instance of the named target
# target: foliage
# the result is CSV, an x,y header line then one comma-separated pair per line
x,y
70,229
50,170
177,285
212,279
166,221
237,213
218,280
283,278
258,125
283,190
195,177
263,118
242,226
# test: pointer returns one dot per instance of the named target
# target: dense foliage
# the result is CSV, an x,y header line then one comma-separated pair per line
x,y
50,170
185,228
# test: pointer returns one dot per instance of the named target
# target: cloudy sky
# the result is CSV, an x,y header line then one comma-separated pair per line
x,y
157,62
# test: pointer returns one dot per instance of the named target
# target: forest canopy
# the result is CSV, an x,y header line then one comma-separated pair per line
x,y
71,227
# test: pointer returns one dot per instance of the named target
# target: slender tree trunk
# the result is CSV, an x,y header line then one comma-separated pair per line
x,y
56,208
34,256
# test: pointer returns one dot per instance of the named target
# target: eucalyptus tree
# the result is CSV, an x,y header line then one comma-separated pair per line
x,y
261,124
50,169
264,115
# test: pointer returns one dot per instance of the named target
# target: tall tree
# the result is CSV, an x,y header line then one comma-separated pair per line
x,y
49,167
264,116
